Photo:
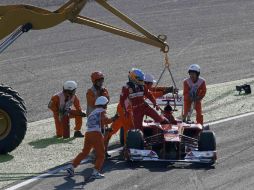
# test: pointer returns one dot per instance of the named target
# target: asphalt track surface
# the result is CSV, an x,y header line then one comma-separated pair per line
x,y
234,169
217,34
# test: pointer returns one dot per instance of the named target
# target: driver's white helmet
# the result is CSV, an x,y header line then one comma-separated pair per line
x,y
101,101
70,85
149,78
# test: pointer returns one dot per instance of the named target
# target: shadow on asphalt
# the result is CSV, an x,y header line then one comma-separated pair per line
x,y
70,183
6,158
44,143
243,94
117,163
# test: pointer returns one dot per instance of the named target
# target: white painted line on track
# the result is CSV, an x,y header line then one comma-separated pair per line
x,y
231,118
24,183
52,172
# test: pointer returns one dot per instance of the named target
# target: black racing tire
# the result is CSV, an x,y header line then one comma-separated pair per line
x,y
135,139
13,121
121,136
207,141
8,90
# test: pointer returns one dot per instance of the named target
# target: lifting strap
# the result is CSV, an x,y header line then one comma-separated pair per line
x,y
167,67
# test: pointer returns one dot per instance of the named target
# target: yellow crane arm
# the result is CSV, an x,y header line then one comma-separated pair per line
x,y
14,16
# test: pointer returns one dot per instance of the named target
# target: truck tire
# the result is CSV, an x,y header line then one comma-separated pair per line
x,y
207,141
8,90
135,139
13,123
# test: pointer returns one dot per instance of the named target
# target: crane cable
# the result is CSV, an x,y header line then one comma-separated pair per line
x,y
167,67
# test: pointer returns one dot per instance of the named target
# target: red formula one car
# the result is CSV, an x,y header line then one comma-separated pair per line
x,y
183,142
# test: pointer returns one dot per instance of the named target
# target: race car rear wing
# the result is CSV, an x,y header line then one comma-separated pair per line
x,y
168,99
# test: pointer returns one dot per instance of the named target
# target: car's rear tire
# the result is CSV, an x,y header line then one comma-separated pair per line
x,y
13,123
135,139
207,141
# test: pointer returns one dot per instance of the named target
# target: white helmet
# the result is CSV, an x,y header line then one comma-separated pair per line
x,y
101,101
149,78
70,85
195,68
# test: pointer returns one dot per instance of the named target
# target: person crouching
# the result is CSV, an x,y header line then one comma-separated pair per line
x,y
66,105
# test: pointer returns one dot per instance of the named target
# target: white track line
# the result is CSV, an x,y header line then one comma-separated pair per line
x,y
52,172
231,118
49,173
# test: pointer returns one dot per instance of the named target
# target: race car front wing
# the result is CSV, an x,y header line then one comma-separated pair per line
x,y
205,157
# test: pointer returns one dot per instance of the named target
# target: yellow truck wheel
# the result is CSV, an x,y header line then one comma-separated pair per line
x,y
13,123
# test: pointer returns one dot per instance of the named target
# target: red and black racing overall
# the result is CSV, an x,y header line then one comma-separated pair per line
x,y
135,94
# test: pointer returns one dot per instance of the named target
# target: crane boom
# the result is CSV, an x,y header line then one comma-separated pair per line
x,y
14,16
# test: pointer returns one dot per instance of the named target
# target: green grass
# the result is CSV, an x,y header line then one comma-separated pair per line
x,y
44,143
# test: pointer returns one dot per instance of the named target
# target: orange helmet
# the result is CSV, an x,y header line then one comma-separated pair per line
x,y
96,76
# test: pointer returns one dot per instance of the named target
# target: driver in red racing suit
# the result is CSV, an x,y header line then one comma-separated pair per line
x,y
135,91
